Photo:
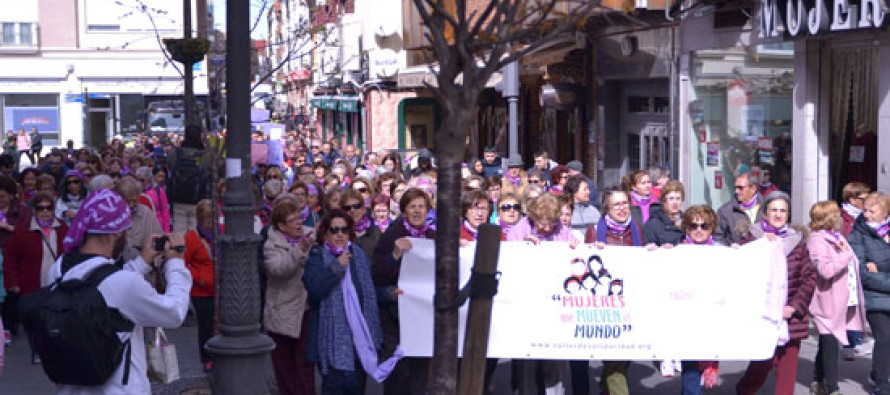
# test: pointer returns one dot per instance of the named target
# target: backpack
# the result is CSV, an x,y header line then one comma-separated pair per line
x,y
187,181
75,332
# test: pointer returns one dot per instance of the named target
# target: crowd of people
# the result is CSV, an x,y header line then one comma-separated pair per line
x,y
336,222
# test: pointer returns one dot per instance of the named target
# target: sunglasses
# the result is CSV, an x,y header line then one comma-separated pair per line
x,y
350,207
315,147
361,190
73,182
338,229
699,225
534,181
43,207
509,207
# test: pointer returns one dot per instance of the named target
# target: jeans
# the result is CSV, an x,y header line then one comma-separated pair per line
x,y
880,357
825,369
854,338
690,379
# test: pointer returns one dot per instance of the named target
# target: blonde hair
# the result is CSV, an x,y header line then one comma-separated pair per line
x,y
203,210
878,198
544,206
825,215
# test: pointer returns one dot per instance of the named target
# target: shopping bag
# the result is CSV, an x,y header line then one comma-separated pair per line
x,y
163,364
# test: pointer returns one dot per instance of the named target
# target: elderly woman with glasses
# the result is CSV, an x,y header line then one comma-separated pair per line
x,y
71,195
476,208
346,334
509,212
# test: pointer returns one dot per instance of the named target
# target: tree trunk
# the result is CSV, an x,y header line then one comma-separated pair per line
x,y
449,153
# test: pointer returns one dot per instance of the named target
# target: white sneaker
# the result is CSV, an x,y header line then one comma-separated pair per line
x,y
864,349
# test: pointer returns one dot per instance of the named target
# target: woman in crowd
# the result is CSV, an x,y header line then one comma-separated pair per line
x,y
46,184
775,212
28,182
384,183
530,194
346,333
365,187
380,213
199,260
11,214
639,185
566,210
36,244
535,177
664,224
838,301
284,318
509,212
155,196
854,194
615,227
476,209
88,174
559,175
314,199
398,188
353,203
332,200
871,244
392,163
584,214
410,375
71,195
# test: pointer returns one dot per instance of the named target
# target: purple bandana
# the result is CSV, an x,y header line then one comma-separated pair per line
x,y
414,232
751,203
708,242
337,251
771,229
103,212
312,189
363,224
382,225
615,227
73,173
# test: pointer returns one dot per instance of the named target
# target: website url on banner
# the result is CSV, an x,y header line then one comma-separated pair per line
x,y
558,346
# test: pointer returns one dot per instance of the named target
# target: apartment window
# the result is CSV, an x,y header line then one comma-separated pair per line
x,y
8,33
25,33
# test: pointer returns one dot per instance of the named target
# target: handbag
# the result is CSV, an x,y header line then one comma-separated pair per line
x,y
163,364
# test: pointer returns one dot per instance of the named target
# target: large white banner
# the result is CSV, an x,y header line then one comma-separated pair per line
x,y
554,302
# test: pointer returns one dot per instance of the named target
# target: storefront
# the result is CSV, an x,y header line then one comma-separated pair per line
x,y
339,117
806,106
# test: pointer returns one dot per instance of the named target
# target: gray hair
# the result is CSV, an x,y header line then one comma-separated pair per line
x,y
100,182
753,179
144,174
128,188
773,196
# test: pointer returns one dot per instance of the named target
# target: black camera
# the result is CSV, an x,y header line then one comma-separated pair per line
x,y
161,243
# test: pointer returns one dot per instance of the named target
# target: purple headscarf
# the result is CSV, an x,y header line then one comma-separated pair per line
x,y
102,212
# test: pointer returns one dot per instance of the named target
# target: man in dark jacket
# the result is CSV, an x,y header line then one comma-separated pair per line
x,y
492,163
740,213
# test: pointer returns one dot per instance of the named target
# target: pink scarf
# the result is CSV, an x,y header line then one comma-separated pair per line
x,y
643,202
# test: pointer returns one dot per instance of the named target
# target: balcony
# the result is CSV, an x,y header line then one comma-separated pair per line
x,y
19,37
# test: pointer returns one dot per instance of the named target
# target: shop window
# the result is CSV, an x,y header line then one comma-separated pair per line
x,y
639,104
29,111
740,122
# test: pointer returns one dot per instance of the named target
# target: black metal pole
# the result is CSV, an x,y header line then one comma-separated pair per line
x,y
188,77
240,350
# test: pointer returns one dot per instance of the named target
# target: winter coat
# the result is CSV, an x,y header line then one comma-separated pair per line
x,y
507,186
849,221
15,214
829,306
625,239
23,259
637,213
495,168
200,264
801,277
584,215
23,142
869,247
661,229
36,142
732,223
368,241
285,293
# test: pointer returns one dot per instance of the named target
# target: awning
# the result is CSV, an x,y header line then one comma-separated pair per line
x,y
345,103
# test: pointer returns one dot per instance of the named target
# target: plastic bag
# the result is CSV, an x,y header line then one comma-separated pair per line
x,y
163,364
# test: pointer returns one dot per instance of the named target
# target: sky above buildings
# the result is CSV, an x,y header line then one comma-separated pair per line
x,y
257,8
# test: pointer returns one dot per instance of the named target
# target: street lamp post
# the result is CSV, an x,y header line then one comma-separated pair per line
x,y
240,350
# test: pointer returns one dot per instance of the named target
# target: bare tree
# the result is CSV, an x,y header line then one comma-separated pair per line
x,y
469,44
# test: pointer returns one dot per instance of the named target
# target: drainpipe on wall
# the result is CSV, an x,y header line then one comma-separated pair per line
x,y
511,92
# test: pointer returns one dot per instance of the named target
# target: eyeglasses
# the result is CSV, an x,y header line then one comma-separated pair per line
x,y
699,225
261,165
43,207
534,181
350,207
315,147
479,209
73,182
338,229
509,207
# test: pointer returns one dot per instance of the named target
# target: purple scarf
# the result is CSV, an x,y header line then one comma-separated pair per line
x,y
851,210
304,215
835,235
205,234
361,334
882,228
751,203
771,229
337,251
293,242
382,225
643,202
608,225
414,232
363,224
473,231
615,227
43,224
708,242
515,181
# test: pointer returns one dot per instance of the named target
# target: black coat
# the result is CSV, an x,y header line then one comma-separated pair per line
x,y
661,229
869,247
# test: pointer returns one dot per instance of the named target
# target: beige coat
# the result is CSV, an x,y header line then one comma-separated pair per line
x,y
285,293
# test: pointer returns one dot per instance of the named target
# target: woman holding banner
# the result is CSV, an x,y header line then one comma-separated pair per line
x,y
616,227
838,304
509,212
871,243
542,224
801,283
410,375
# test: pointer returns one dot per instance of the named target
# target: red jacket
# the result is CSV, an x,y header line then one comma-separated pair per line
x,y
23,257
198,261
849,221
466,235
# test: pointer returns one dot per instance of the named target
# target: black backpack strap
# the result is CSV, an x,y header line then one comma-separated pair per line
x,y
126,377
118,321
